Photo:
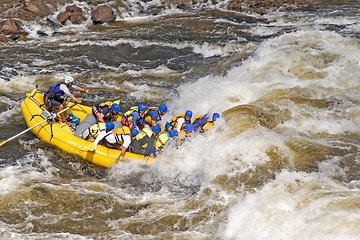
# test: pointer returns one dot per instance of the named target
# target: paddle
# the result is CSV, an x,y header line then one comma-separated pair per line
x,y
48,118
148,156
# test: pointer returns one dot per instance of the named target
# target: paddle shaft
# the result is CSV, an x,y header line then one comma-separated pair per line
x,y
148,156
2,143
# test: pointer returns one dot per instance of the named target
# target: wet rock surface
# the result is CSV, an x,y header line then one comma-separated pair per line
x,y
14,12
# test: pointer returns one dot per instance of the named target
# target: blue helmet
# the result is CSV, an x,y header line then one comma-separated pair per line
x,y
134,132
215,116
173,133
110,126
188,113
162,108
156,129
142,107
188,127
115,107
206,117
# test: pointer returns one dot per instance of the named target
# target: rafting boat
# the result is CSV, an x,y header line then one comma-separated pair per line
x,y
60,135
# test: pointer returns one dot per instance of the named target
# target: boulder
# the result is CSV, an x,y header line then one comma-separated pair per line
x,y
72,13
22,37
103,14
63,17
23,14
76,14
3,38
9,27
33,10
38,7
77,17
235,5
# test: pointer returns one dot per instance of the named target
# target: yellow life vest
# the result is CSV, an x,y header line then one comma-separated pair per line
x,y
107,104
173,122
148,117
144,132
197,118
118,132
129,117
129,112
181,133
96,128
208,125
161,140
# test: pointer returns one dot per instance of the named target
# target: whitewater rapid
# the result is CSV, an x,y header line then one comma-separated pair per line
x,y
282,162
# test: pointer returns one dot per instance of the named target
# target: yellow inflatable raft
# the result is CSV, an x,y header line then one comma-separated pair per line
x,y
60,135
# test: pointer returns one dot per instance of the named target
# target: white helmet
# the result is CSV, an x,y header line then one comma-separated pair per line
x,y
70,80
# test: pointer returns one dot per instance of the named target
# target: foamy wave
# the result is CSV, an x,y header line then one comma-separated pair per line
x,y
300,205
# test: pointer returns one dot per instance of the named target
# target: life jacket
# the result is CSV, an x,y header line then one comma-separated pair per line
x,y
55,91
143,133
197,118
107,104
129,117
208,125
119,132
161,140
147,116
96,128
173,121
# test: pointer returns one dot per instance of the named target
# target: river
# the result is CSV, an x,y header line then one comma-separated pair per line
x,y
282,162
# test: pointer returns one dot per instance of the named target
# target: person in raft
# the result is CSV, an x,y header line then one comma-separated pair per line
x,y
135,117
107,111
163,140
153,115
120,138
57,93
179,121
185,133
208,123
143,142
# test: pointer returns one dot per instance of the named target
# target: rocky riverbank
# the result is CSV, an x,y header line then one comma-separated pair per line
x,y
13,13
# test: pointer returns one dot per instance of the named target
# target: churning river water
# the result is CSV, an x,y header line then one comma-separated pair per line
x,y
283,161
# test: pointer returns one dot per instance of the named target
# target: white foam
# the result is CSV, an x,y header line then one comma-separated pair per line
x,y
18,83
295,204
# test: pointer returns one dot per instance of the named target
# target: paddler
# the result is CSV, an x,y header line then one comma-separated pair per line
x,y
57,93
93,131
135,117
186,132
165,139
208,124
143,143
153,115
199,122
107,111
179,121
120,138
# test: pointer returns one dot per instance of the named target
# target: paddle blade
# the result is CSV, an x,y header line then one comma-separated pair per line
x,y
2,143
